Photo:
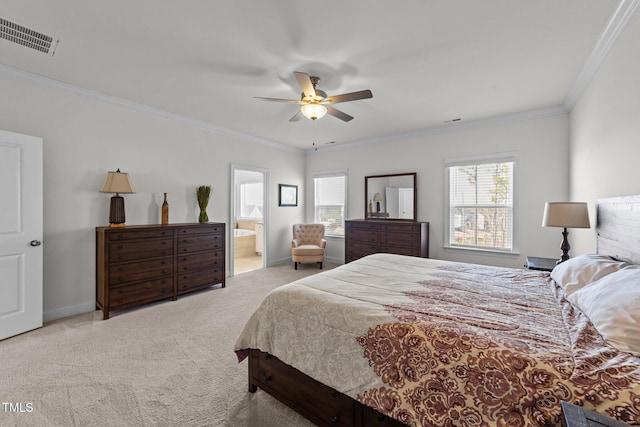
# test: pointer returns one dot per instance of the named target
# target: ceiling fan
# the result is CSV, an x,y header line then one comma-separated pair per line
x,y
315,102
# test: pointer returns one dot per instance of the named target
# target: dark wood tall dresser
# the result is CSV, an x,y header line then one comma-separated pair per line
x,y
139,264
365,237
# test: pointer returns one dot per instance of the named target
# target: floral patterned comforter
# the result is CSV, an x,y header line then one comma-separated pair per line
x,y
436,343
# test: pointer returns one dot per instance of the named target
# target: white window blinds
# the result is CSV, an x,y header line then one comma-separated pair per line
x,y
481,205
329,202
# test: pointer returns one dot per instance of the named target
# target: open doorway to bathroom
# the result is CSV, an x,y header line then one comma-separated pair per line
x,y
249,216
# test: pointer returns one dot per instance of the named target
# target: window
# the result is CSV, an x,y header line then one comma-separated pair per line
x,y
251,200
480,204
329,202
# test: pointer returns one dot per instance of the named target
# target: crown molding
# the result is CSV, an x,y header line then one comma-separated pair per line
x,y
453,127
23,76
616,24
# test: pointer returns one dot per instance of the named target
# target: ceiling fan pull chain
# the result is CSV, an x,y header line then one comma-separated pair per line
x,y
315,135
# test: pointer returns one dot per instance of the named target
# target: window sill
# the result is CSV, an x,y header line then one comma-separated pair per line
x,y
513,253
334,237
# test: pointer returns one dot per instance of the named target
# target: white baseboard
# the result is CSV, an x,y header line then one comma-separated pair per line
x,y
73,310
287,260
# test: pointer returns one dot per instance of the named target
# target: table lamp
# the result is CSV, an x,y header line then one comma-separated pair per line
x,y
566,215
117,182
377,198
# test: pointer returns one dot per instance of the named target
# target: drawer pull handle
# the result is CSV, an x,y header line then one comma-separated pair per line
x,y
121,257
267,356
268,378
121,279
335,420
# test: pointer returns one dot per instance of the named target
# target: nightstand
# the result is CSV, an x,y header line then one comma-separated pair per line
x,y
577,416
540,264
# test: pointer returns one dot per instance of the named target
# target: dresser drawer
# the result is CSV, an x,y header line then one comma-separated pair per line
x,y
123,273
197,243
200,229
140,249
400,250
140,234
363,235
199,261
400,239
336,408
361,225
400,227
149,291
366,248
200,279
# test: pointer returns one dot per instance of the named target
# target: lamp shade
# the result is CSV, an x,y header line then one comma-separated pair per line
x,y
313,111
117,182
566,214
377,197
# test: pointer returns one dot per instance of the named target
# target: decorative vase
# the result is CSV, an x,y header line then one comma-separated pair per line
x,y
165,211
203,192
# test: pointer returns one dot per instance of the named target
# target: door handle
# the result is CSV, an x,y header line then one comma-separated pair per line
x,y
35,243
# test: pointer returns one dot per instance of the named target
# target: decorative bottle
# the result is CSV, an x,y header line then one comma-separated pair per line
x,y
165,211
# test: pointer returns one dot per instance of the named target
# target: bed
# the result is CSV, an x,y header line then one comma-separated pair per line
x,y
393,340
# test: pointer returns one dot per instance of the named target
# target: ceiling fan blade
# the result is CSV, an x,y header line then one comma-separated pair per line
x,y
305,83
353,96
296,117
338,114
291,101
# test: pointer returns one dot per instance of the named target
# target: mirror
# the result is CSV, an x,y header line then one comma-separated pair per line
x,y
390,196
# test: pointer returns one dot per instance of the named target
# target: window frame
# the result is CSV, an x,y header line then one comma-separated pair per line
x,y
331,174
480,160
239,201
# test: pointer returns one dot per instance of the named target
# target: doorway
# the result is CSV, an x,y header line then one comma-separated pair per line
x,y
249,219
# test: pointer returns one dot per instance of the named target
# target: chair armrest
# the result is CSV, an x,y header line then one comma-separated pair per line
x,y
323,243
294,243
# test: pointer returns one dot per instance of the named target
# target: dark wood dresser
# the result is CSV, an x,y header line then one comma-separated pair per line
x,y
365,237
144,263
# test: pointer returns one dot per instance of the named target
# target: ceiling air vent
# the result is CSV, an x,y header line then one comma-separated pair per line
x,y
27,37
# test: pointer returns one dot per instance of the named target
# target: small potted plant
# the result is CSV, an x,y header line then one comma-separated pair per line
x,y
203,192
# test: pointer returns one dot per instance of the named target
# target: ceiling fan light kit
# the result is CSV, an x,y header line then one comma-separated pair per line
x,y
314,101
313,111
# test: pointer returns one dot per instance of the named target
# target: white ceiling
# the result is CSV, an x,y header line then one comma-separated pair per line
x,y
426,61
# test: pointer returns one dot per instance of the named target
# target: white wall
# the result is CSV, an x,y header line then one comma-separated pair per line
x,y
605,132
84,138
541,146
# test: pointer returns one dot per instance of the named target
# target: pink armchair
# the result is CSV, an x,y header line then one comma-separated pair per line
x,y
308,244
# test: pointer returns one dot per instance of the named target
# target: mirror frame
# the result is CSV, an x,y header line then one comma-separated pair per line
x,y
415,197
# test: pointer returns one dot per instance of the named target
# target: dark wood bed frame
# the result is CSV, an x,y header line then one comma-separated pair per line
x,y
618,231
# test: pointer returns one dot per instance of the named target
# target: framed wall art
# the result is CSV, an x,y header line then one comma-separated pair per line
x,y
287,195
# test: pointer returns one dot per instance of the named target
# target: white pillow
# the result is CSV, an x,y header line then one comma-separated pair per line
x,y
613,306
577,272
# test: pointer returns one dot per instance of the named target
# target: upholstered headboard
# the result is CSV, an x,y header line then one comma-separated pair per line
x,y
618,228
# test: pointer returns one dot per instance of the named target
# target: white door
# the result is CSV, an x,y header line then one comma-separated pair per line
x,y
20,233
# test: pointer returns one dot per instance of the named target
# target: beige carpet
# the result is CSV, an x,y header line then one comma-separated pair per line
x,y
166,364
